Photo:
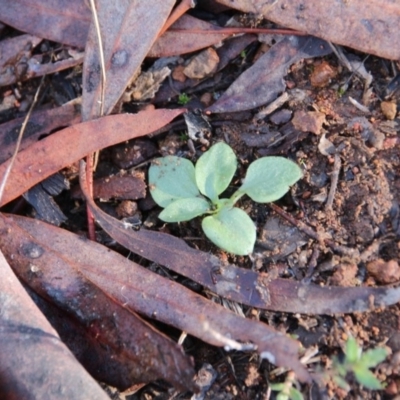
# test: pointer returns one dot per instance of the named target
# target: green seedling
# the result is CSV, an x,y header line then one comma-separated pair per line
x,y
286,390
186,192
183,99
359,363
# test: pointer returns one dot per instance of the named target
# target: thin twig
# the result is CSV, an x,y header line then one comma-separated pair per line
x,y
277,103
19,140
101,55
92,159
234,30
334,181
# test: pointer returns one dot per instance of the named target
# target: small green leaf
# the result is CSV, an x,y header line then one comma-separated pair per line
x,y
371,358
183,99
184,209
352,350
366,378
215,170
282,396
341,369
295,394
269,178
341,382
277,387
172,178
232,230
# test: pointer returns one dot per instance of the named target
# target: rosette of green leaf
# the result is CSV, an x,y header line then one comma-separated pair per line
x,y
352,350
215,170
185,209
231,229
172,178
366,378
371,358
293,393
268,179
359,363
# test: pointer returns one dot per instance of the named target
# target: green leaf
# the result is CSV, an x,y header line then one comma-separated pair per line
x,y
341,369
366,378
277,387
341,382
269,178
232,230
282,396
184,209
352,350
215,170
172,178
295,394
371,358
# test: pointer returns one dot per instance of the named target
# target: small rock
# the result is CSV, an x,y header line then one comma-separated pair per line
x,y
308,121
389,109
322,75
376,139
178,74
384,271
281,117
126,208
345,275
202,65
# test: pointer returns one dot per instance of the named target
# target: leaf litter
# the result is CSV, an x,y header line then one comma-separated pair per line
x,y
355,230
33,356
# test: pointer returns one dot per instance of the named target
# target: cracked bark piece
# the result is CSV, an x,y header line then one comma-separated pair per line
x,y
147,84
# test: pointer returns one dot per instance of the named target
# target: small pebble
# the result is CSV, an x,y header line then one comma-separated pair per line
x,y
308,121
126,208
322,75
178,74
376,139
384,271
202,65
389,109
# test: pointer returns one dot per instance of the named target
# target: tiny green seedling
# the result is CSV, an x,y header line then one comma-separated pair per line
x,y
286,390
186,192
183,99
359,363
